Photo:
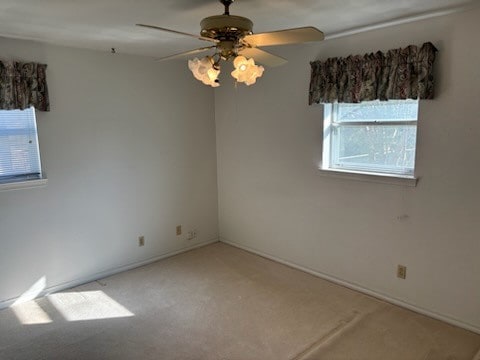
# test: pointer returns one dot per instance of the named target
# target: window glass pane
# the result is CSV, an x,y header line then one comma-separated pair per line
x,y
381,148
19,153
393,110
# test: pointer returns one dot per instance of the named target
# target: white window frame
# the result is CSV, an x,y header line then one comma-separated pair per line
x,y
358,174
26,181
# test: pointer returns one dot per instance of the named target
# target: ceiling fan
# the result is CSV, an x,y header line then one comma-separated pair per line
x,y
232,38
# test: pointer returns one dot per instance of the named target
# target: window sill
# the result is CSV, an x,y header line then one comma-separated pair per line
x,y
23,184
369,177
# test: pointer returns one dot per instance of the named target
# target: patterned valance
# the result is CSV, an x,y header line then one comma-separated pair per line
x,y
23,85
397,74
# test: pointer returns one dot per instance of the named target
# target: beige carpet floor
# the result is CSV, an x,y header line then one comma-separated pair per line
x,y
219,302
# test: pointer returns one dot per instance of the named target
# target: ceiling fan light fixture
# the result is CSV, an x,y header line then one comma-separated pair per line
x,y
232,37
246,71
205,70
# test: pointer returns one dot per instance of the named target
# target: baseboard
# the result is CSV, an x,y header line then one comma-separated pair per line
x,y
106,273
359,288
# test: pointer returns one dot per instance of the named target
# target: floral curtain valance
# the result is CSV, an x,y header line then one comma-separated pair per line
x,y
397,74
23,85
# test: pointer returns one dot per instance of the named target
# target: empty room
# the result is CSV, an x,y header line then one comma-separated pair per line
x,y
239,180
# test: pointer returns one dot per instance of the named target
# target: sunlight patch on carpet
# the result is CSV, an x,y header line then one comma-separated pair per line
x,y
30,313
27,311
88,305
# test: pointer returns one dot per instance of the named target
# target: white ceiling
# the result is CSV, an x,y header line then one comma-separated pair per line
x,y
103,24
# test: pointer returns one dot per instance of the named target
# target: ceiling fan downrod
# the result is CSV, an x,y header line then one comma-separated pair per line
x,y
227,4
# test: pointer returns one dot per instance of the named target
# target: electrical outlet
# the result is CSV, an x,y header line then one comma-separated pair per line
x,y
141,240
179,230
191,234
401,271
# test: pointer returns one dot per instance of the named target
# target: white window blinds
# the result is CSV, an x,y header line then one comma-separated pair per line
x,y
19,154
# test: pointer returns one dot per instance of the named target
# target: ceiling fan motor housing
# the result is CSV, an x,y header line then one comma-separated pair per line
x,y
228,29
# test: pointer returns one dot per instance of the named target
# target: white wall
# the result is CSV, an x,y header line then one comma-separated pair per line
x,y
129,150
272,198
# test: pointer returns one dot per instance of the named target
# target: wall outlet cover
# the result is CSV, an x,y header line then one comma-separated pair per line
x,y
401,271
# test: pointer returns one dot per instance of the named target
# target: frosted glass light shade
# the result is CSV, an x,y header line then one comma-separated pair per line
x,y
203,70
246,71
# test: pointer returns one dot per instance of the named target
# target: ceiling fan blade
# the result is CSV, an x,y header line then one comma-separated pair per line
x,y
263,57
186,53
284,37
178,32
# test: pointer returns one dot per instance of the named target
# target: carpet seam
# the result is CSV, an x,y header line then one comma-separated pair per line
x,y
329,336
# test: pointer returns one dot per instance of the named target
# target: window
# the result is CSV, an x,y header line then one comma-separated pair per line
x,y
374,137
19,154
